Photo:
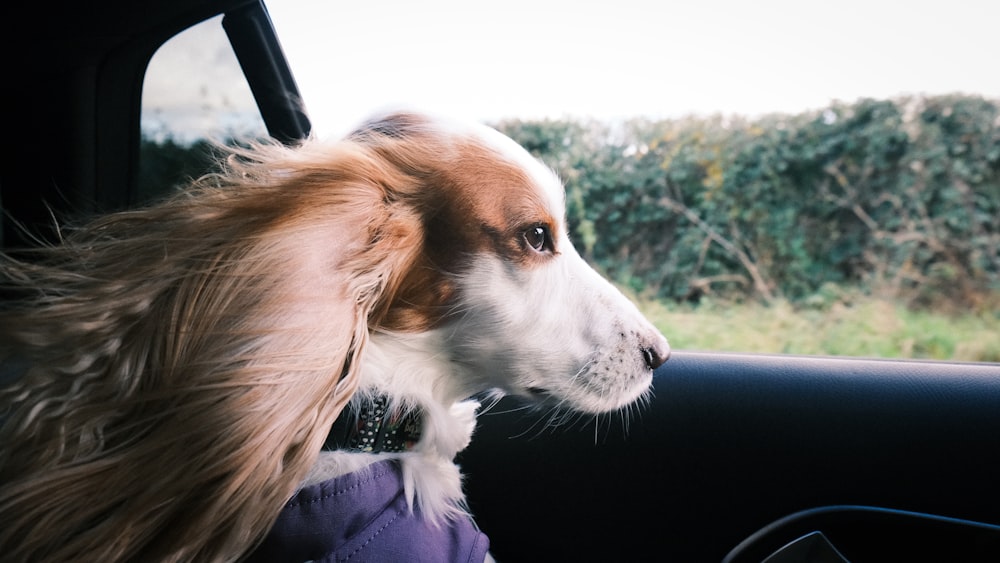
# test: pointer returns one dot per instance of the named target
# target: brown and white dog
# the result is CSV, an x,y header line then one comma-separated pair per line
x,y
173,372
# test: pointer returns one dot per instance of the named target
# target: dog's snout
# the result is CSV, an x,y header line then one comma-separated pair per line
x,y
656,354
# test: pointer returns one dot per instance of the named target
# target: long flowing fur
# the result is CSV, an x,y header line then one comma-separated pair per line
x,y
175,369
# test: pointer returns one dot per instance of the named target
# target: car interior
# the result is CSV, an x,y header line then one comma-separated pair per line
x,y
737,457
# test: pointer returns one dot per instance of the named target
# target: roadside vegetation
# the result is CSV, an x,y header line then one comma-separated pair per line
x,y
866,327
862,229
869,228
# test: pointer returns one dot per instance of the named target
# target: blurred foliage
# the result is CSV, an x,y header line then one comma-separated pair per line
x,y
897,198
166,164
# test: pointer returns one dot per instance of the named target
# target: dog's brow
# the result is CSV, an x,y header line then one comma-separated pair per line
x,y
544,183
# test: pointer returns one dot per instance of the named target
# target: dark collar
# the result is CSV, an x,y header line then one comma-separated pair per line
x,y
371,428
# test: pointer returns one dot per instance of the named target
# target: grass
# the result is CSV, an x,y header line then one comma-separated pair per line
x,y
864,327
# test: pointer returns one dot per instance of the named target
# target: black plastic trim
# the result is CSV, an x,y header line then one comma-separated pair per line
x,y
252,36
730,443
868,533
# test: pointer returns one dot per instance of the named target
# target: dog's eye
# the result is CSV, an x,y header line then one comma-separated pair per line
x,y
538,238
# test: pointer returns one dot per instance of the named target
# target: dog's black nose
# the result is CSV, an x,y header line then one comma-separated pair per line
x,y
656,354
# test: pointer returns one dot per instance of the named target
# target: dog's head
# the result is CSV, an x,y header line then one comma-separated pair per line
x,y
497,277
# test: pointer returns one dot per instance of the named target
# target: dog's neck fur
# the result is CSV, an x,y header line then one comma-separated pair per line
x,y
408,371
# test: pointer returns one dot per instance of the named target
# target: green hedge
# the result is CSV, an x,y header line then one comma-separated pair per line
x,y
899,198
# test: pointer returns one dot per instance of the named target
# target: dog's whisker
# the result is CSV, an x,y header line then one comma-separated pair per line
x,y
509,410
528,430
492,399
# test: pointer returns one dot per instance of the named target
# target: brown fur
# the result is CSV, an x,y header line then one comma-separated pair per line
x,y
180,365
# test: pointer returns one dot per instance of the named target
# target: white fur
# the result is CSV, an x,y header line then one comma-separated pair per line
x,y
554,330
560,329
415,373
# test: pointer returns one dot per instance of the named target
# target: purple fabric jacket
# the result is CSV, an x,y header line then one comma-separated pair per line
x,y
362,517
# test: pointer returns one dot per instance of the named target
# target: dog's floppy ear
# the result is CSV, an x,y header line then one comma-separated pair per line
x,y
395,255
414,291
195,354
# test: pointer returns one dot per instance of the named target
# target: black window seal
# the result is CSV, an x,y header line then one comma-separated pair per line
x,y
251,34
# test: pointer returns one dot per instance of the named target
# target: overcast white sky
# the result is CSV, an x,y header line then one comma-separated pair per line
x,y
625,58
619,58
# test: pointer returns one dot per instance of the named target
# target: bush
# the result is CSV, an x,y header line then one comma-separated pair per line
x,y
894,198
897,198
